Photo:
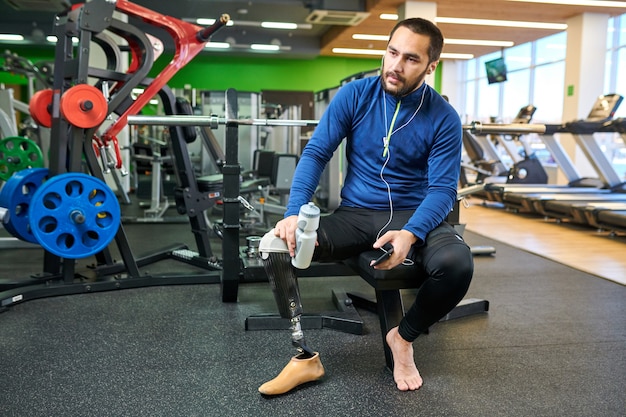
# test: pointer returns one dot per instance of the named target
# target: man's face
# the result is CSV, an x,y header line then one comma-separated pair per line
x,y
406,63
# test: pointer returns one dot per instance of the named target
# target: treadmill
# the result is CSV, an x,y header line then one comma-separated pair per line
x,y
587,213
530,198
570,206
526,169
607,212
608,219
562,205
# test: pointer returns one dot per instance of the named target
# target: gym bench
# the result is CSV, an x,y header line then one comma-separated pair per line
x,y
387,286
388,304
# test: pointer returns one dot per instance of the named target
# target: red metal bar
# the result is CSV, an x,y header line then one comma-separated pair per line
x,y
189,40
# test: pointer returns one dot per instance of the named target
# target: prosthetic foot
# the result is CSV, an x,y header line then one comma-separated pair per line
x,y
300,369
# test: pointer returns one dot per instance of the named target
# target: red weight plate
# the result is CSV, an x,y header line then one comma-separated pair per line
x,y
84,106
40,107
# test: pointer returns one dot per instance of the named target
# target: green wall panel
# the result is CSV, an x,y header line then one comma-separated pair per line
x,y
220,72
256,74
33,54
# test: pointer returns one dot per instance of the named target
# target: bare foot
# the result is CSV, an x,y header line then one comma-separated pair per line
x,y
405,372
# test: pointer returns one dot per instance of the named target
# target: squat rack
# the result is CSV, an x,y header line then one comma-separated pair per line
x,y
76,125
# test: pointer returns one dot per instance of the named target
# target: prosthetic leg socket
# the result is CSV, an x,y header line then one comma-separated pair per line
x,y
282,278
284,283
279,267
298,371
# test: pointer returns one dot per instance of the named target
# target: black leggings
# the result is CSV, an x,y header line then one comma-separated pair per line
x,y
443,264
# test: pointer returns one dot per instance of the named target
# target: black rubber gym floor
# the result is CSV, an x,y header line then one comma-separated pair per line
x,y
552,344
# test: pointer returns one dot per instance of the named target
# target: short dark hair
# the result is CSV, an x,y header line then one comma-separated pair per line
x,y
427,28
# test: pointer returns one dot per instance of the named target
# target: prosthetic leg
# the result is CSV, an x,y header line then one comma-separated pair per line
x,y
281,271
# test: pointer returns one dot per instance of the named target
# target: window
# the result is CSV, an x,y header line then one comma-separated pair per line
x,y
518,57
551,49
548,92
536,75
517,94
535,72
614,82
616,60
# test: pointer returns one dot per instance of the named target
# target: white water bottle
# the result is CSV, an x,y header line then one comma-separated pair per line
x,y
306,235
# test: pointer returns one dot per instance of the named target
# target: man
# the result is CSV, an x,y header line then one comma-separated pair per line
x,y
403,145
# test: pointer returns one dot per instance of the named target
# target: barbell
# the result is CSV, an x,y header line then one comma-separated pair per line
x,y
214,121
505,128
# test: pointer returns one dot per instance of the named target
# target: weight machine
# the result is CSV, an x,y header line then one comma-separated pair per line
x,y
80,213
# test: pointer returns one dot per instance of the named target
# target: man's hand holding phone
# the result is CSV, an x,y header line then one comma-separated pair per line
x,y
387,250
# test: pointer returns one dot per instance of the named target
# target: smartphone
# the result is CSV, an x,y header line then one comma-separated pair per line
x,y
387,250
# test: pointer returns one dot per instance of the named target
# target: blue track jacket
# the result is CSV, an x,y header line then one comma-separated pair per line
x,y
424,155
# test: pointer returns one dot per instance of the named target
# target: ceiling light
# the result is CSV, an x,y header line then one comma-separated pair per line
x,y
355,51
11,37
267,25
447,55
264,47
388,16
209,22
505,23
592,3
478,42
217,45
279,25
54,39
381,52
366,37
231,44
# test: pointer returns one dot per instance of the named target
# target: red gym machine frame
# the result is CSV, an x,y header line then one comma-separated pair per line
x,y
189,40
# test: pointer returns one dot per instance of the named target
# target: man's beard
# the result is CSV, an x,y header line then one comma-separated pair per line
x,y
406,88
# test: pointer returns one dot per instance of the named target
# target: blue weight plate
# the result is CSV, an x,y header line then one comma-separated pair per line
x,y
74,215
16,196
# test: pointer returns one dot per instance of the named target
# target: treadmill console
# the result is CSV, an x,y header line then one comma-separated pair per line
x,y
525,114
604,108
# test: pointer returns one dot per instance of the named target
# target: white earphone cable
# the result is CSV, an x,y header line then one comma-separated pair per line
x,y
387,153
382,169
